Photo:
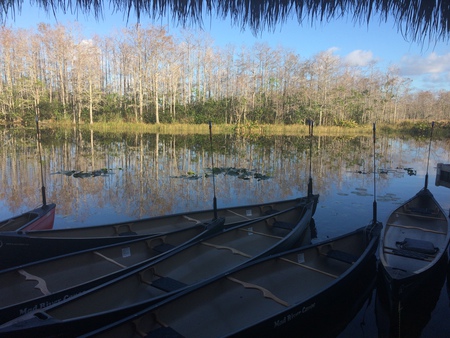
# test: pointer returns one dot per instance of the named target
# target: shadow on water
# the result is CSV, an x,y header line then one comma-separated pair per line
x,y
408,318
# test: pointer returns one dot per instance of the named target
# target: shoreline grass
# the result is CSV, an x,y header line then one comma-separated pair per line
x,y
296,129
412,128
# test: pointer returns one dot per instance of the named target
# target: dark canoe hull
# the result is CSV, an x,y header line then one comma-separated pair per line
x,y
289,294
177,271
41,218
37,285
19,248
414,242
408,317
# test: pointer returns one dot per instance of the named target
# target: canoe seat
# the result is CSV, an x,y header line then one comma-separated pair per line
x,y
283,225
409,254
342,256
163,247
418,245
433,211
128,233
168,284
424,211
273,223
124,229
164,332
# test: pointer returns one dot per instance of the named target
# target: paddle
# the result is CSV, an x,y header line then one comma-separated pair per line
x,y
38,138
429,150
212,164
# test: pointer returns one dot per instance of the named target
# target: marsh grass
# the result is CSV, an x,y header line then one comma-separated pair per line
x,y
247,129
413,128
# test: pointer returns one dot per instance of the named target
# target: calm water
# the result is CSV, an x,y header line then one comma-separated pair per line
x,y
150,175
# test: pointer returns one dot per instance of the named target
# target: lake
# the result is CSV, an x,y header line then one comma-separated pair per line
x,y
97,178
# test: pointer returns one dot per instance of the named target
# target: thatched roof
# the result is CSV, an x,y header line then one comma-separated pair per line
x,y
418,20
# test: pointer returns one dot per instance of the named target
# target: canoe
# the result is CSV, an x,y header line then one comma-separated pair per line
x,y
174,272
415,239
36,285
279,296
41,218
25,246
409,317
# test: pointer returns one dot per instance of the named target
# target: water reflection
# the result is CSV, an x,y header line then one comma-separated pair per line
x,y
141,172
144,178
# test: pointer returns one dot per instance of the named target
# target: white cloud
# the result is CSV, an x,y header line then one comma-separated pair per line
x,y
332,50
359,58
431,72
432,64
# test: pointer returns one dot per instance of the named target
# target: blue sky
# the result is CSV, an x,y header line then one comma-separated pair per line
x,y
428,66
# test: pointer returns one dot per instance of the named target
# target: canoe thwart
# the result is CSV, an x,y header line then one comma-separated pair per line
x,y
416,228
251,232
238,214
168,284
310,268
418,245
109,259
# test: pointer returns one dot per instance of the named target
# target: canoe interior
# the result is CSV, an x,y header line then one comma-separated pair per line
x,y
411,234
231,248
273,286
72,270
38,219
15,223
192,264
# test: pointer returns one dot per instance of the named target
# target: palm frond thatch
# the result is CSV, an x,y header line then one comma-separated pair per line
x,y
417,20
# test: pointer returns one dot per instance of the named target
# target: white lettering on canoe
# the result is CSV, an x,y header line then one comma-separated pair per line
x,y
293,315
45,304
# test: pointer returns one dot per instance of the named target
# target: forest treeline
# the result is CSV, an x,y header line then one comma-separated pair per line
x,y
145,74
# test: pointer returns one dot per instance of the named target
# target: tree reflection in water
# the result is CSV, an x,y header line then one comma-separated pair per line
x,y
146,175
